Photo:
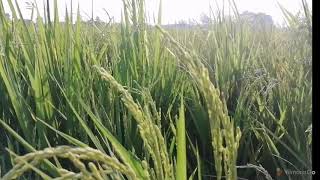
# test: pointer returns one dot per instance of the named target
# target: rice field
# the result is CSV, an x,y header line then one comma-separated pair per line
x,y
130,100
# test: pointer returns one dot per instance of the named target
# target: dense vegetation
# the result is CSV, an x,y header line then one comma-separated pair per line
x,y
133,101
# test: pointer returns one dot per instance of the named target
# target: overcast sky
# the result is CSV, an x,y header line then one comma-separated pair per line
x,y
172,10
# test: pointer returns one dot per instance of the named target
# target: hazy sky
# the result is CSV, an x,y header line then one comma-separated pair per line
x,y
172,10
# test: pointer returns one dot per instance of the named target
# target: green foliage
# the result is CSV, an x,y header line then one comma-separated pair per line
x,y
222,101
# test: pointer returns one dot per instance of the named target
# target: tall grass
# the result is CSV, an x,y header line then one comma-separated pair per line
x,y
134,101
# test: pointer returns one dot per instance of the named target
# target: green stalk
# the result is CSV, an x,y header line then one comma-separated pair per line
x,y
181,168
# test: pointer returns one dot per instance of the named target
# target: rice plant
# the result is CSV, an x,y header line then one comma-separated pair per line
x,y
131,100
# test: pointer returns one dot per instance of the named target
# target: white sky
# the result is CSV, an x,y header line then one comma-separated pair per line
x,y
172,10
